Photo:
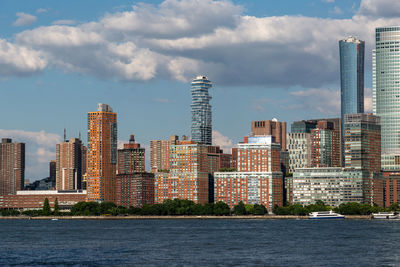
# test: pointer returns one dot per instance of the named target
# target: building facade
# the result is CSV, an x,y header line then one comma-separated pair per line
x,y
201,111
131,158
69,165
386,93
325,145
188,177
263,188
271,127
258,179
135,189
160,153
102,154
299,147
362,139
351,77
334,186
35,199
12,167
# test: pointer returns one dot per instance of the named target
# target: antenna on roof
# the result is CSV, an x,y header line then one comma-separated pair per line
x,y
65,135
80,135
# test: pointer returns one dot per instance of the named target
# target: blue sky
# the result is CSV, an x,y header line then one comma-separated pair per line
x,y
266,59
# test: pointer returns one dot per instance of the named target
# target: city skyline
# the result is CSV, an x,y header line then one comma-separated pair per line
x,y
297,79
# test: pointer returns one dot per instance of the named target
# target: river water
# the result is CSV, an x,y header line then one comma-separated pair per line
x,y
199,242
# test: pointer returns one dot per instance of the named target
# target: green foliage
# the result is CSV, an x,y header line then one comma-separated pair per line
x,y
354,208
46,207
221,209
9,212
259,209
163,170
239,209
56,208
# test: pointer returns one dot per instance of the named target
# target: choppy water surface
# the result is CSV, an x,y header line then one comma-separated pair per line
x,y
200,242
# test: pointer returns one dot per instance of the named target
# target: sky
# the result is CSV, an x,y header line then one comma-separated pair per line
x,y
266,59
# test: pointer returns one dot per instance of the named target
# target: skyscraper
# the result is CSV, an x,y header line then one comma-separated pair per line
x,y
351,79
69,165
201,111
386,93
12,167
102,154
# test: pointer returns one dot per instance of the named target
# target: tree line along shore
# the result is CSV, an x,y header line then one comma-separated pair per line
x,y
182,207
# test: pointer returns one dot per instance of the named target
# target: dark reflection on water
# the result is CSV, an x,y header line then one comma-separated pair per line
x,y
200,242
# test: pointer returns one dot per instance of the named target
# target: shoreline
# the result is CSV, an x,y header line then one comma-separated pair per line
x,y
177,217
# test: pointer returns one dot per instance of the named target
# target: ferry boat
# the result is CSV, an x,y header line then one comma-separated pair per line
x,y
325,215
385,215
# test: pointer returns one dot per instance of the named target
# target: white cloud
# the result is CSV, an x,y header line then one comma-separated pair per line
x,y
326,101
64,22
177,40
368,100
224,142
39,150
380,8
24,19
19,60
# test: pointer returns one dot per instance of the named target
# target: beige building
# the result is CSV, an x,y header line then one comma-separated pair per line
x,y
12,166
69,165
160,152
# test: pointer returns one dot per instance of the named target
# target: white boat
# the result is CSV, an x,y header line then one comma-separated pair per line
x,y
385,215
325,215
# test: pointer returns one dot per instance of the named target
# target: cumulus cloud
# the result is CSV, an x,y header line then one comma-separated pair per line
x,y
368,100
39,150
224,142
24,19
380,8
326,101
177,40
19,60
336,10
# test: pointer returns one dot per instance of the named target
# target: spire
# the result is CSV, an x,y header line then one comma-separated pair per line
x,y
65,135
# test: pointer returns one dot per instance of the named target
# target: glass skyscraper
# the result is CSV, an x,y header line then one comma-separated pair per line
x,y
201,111
351,79
386,93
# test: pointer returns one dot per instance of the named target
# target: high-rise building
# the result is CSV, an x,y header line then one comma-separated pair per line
x,y
135,189
188,177
270,127
299,147
258,179
201,111
102,154
69,165
131,158
52,172
386,93
325,145
12,167
351,78
362,138
160,153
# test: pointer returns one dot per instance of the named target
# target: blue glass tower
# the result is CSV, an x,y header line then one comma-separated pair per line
x,y
351,79
201,111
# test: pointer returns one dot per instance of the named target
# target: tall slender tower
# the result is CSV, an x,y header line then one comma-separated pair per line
x,y
12,167
386,93
201,111
351,80
102,154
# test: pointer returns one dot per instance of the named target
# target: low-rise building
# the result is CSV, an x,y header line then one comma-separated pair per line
x,y
135,189
264,188
35,199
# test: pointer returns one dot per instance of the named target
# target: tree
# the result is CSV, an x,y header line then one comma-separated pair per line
x,y
56,207
221,208
46,207
240,209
